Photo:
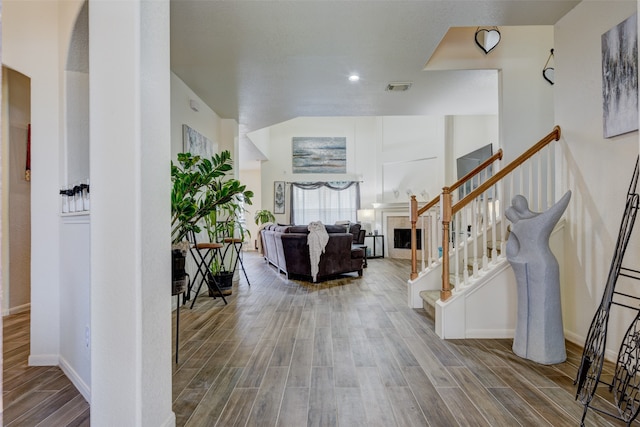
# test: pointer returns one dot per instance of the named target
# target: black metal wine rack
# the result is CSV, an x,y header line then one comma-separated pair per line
x,y
625,384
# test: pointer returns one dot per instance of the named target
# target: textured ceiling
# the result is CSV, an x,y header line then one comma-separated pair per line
x,y
264,62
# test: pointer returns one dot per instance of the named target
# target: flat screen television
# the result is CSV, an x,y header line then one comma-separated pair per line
x,y
469,162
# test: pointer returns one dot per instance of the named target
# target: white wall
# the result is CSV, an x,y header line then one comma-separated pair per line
x,y
526,99
472,132
130,230
31,45
390,154
252,179
205,120
597,170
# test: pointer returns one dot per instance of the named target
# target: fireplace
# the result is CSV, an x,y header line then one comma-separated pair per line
x,y
402,238
398,228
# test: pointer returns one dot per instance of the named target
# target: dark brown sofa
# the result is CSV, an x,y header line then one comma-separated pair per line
x,y
286,248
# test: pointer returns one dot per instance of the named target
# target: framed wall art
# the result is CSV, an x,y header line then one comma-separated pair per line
x,y
196,143
319,154
620,78
278,197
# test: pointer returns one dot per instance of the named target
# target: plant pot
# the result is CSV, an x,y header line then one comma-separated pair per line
x,y
224,279
179,277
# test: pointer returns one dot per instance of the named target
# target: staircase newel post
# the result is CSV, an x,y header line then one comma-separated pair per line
x,y
414,245
445,214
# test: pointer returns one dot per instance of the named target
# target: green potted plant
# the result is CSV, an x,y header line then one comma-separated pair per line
x,y
199,187
264,216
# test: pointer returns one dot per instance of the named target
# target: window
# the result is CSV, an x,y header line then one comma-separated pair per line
x,y
327,202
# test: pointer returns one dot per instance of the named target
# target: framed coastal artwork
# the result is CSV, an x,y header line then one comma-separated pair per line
x,y
278,197
319,154
620,78
196,143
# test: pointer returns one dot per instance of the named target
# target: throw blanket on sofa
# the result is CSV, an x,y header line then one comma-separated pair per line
x,y
317,240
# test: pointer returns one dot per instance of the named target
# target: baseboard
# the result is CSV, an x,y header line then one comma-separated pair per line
x,y
490,333
170,421
44,360
77,381
610,355
18,309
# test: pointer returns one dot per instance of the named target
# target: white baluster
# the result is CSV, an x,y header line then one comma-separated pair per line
x,y
530,193
550,172
437,232
494,225
474,207
456,251
483,219
465,240
425,248
540,182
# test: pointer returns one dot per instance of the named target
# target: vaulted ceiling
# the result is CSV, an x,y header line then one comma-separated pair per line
x,y
264,62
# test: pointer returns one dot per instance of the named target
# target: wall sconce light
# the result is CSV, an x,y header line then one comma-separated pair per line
x,y
548,72
425,195
396,193
487,39
409,192
193,104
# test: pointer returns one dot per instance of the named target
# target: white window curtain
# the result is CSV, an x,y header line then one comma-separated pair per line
x,y
327,202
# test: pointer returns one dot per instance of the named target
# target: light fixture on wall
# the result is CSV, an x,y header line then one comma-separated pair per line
x,y
409,192
396,193
425,195
193,104
548,72
487,38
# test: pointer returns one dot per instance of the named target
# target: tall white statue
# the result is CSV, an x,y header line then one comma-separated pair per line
x,y
539,334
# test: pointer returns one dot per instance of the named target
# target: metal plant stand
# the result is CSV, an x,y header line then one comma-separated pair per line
x,y
626,381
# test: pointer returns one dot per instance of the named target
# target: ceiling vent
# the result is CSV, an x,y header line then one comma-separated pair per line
x,y
398,87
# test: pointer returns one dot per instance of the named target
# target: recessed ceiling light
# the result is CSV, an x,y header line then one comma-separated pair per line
x,y
354,78
398,86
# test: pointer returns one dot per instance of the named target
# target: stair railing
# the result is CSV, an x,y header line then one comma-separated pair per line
x,y
473,230
430,214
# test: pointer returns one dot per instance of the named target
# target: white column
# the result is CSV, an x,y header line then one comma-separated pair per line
x,y
130,213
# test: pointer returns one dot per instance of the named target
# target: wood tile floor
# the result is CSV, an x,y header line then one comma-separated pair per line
x,y
37,395
349,352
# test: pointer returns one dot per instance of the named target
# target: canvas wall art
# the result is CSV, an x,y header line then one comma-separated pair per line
x,y
196,143
278,197
319,154
620,78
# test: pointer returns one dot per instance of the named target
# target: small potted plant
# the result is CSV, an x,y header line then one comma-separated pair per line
x,y
263,216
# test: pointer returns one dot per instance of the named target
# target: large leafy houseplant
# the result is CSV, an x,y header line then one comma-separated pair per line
x,y
200,187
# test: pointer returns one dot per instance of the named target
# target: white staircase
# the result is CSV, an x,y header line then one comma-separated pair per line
x,y
470,231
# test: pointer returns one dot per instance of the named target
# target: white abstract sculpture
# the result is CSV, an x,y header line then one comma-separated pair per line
x,y
539,334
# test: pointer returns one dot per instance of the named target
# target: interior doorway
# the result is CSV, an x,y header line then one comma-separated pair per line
x,y
16,192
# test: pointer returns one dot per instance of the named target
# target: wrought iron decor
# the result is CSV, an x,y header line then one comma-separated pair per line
x,y
625,382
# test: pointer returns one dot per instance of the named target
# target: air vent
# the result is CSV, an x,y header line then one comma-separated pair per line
x,y
398,87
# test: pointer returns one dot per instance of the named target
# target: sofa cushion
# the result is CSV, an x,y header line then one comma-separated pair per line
x,y
298,229
357,253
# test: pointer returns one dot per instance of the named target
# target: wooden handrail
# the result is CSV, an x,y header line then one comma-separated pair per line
x,y
428,206
477,170
554,135
458,183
